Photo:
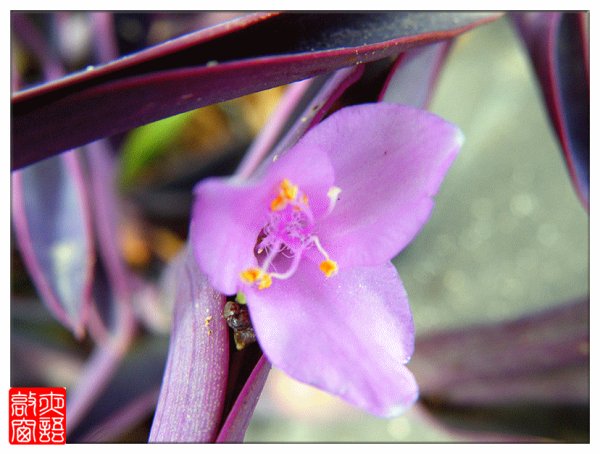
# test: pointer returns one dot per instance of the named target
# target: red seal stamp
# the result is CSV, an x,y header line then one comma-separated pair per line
x,y
37,416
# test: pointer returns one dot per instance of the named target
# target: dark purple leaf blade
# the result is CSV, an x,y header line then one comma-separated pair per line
x,y
129,397
415,74
528,376
53,228
508,361
558,47
195,379
329,92
251,54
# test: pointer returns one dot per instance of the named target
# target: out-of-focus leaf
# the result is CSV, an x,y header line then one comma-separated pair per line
x,y
413,78
42,353
523,359
250,54
130,396
53,228
517,376
106,209
558,47
147,143
195,378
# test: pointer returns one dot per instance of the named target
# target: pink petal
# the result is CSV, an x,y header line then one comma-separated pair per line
x,y
389,160
225,222
228,215
349,335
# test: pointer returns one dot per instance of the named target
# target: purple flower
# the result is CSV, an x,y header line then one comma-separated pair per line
x,y
308,242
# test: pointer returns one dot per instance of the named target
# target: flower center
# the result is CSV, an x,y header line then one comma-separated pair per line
x,y
286,236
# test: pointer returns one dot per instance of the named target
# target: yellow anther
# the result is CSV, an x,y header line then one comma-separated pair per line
x,y
265,281
250,275
328,267
288,190
278,203
253,275
287,193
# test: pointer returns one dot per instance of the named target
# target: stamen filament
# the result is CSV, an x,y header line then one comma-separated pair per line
x,y
328,267
291,270
315,240
270,257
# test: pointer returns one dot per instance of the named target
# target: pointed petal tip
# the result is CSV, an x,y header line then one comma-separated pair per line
x,y
403,394
398,410
459,137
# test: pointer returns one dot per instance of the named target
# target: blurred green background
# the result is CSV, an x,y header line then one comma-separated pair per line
x,y
507,236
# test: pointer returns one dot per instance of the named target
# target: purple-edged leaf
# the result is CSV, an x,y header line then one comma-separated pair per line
x,y
541,358
195,379
106,216
129,397
134,412
52,225
250,54
235,426
274,127
41,351
415,74
331,90
558,47
296,115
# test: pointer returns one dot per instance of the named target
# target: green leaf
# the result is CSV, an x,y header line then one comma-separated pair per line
x,y
144,145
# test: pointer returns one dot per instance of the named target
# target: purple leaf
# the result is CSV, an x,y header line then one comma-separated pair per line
x,y
39,348
123,419
129,397
53,223
250,54
558,47
235,426
267,137
328,92
53,228
195,380
331,90
415,74
539,358
106,217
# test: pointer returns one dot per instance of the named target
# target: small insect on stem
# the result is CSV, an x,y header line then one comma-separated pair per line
x,y
237,317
